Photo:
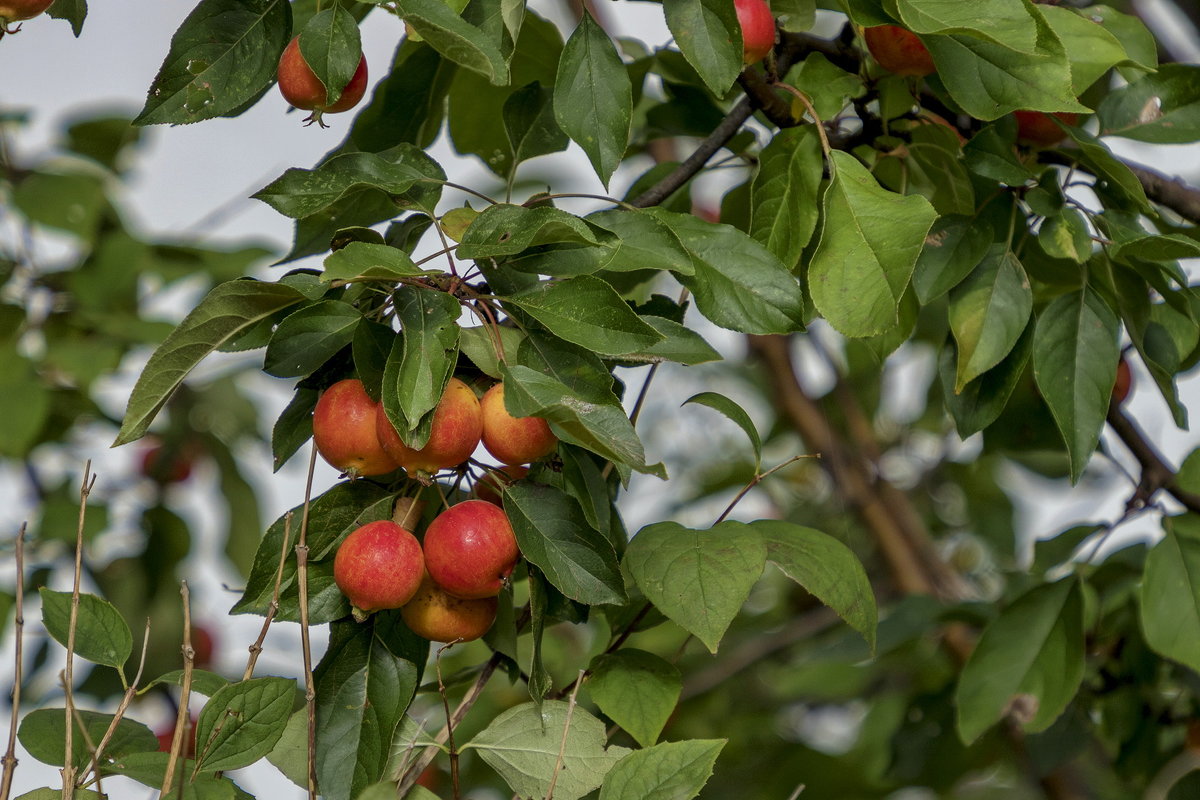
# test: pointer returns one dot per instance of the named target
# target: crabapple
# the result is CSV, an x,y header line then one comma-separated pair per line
x,y
378,566
454,435
18,10
470,549
303,89
344,431
1039,129
758,29
513,440
898,50
1124,384
439,616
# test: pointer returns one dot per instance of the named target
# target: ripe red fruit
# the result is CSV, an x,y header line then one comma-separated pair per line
x,y
457,426
17,10
166,735
167,465
1124,384
898,50
203,647
303,89
758,29
378,566
441,617
344,431
491,486
1037,128
513,440
470,549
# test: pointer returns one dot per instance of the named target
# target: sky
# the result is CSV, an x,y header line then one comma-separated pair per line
x,y
189,179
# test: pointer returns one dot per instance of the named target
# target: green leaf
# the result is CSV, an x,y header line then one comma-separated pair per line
x,y
332,516
869,243
722,404
738,283
1075,351
409,103
226,311
826,568
455,38
554,534
1163,107
530,124
999,21
293,427
365,681
1091,49
223,56
1028,662
310,336
1066,236
359,260
645,243
524,743
1170,593
242,722
588,312
988,79
25,405
699,579
479,345
421,361
636,690
1113,176
667,771
579,369
783,197
203,682
56,794
593,97
680,344
43,733
601,428
954,246
305,192
332,48
101,635
74,12
709,36
505,229
988,311
978,404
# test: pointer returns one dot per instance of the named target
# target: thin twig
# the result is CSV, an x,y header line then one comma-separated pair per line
x,y
10,757
272,609
68,770
449,717
126,699
1156,473
310,691
87,737
756,481
182,719
562,747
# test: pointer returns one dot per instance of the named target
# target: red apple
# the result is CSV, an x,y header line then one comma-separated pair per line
x,y
1038,129
303,89
513,440
204,647
344,431
758,29
164,464
441,617
378,566
457,426
166,735
490,488
898,50
17,10
1121,389
470,549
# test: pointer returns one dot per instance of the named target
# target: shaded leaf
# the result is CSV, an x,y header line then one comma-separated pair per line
x,y
636,690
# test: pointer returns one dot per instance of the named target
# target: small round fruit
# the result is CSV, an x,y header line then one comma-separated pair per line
x,y
454,435
758,29
441,617
1124,384
898,50
470,549
1037,128
204,647
379,566
167,465
490,488
303,89
18,10
513,440
344,431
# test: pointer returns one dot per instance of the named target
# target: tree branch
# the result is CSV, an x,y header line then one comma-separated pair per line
x,y
1156,473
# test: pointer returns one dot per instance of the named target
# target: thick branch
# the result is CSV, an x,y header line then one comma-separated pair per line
x,y
1156,473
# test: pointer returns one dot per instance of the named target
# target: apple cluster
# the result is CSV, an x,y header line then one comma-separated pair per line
x,y
446,586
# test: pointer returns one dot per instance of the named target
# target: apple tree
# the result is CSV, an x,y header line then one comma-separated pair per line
x,y
913,187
